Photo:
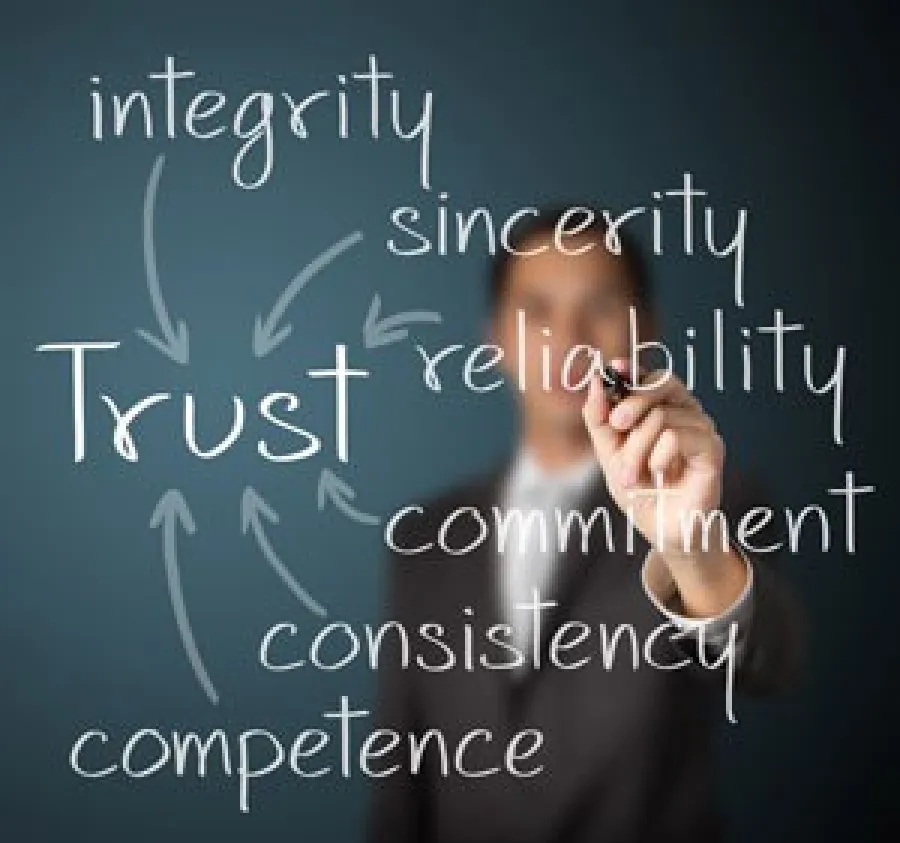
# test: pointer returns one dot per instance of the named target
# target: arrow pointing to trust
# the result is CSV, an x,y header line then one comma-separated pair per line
x,y
266,334
253,510
175,340
170,512
332,488
378,332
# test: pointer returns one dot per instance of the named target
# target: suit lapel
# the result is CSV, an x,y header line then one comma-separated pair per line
x,y
486,559
572,569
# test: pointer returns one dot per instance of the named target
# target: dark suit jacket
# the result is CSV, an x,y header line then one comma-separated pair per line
x,y
628,755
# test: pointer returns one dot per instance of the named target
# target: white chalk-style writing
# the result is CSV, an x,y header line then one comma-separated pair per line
x,y
502,527
255,754
452,231
485,359
124,418
172,109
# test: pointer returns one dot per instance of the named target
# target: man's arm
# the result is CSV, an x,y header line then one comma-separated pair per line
x,y
664,464
770,638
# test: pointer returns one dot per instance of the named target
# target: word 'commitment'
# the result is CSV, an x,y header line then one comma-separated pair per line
x,y
464,530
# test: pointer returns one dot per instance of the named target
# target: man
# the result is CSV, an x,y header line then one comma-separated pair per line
x,y
627,752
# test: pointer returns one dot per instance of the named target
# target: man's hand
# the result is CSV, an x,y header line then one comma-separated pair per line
x,y
663,461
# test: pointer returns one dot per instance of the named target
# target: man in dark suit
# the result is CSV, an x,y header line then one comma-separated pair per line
x,y
628,750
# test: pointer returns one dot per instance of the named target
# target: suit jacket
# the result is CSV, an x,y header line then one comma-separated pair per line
x,y
629,756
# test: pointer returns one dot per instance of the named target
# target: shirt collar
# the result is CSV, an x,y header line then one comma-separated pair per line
x,y
528,474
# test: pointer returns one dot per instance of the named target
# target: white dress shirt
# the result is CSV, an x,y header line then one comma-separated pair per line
x,y
525,565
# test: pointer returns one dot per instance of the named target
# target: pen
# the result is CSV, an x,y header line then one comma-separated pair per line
x,y
615,385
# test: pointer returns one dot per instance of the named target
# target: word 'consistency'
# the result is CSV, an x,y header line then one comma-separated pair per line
x,y
252,119
126,447
341,744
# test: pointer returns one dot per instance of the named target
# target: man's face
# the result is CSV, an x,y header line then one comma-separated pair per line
x,y
566,300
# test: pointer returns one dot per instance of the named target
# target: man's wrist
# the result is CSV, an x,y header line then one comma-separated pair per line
x,y
707,582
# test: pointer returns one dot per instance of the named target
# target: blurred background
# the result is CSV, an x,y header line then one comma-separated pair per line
x,y
786,109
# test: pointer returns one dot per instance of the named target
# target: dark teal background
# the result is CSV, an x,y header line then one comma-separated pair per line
x,y
786,109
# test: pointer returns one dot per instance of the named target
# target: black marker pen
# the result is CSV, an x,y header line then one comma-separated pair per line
x,y
615,385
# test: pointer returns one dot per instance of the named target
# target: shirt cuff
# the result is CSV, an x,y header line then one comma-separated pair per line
x,y
716,630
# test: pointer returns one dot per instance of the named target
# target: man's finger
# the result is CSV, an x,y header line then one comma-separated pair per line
x,y
676,444
648,380
628,412
634,453
596,417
